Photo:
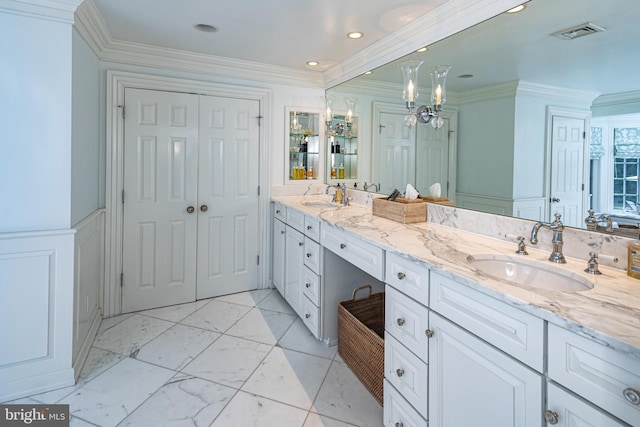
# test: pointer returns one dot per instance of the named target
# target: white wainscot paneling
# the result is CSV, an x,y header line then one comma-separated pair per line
x,y
87,284
36,312
494,205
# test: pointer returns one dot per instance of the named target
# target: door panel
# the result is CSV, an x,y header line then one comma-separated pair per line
x,y
160,152
567,170
432,157
397,145
228,243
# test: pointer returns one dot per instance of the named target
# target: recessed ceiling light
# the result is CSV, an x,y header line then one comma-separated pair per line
x,y
368,72
422,49
355,35
206,28
517,9
465,76
312,63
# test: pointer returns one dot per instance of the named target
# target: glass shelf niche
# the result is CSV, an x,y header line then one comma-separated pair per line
x,y
343,150
304,145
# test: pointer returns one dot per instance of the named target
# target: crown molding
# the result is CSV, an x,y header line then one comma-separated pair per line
x,y
450,18
616,99
92,28
497,91
52,10
573,96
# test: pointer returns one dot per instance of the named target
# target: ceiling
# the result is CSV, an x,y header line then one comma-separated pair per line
x,y
521,47
276,32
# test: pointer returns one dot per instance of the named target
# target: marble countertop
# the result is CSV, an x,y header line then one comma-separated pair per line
x,y
609,313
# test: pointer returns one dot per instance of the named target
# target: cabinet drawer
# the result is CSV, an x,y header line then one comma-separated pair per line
x,y
312,255
280,211
363,255
574,412
312,227
515,332
407,321
408,277
397,411
311,316
311,286
295,219
407,373
604,376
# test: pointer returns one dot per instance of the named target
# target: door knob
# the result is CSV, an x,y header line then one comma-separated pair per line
x,y
555,200
551,417
191,209
204,208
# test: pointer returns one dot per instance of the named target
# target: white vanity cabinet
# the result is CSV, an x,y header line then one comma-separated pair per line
x,y
608,378
294,263
279,230
566,410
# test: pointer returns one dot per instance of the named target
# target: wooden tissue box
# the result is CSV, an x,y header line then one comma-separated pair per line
x,y
402,210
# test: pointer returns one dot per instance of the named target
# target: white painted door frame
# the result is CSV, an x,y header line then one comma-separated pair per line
x,y
117,81
451,114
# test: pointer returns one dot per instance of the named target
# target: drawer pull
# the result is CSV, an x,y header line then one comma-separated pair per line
x,y
342,245
307,285
400,321
399,372
301,243
399,425
308,255
308,227
428,333
551,417
401,275
307,315
281,232
278,211
632,395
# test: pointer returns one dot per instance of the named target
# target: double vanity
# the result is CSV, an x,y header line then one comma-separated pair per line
x,y
475,335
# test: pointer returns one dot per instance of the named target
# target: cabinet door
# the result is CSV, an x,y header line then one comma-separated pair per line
x,y
294,254
473,384
278,261
566,410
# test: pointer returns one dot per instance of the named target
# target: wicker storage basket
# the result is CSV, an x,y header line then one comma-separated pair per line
x,y
361,338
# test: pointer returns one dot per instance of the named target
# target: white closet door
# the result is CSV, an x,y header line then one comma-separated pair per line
x,y
228,238
160,152
567,170
396,148
432,157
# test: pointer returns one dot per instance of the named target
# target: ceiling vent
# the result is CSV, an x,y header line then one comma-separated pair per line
x,y
579,31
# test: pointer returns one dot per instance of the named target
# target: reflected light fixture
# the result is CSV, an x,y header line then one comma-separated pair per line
x,y
424,113
355,35
338,128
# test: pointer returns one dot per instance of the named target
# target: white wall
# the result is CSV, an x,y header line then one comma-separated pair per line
x,y
35,118
529,147
85,131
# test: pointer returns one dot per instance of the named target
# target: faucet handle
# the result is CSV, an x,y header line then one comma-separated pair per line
x,y
522,248
592,264
558,216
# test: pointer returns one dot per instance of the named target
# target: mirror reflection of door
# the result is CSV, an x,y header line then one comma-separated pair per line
x,y
567,170
432,158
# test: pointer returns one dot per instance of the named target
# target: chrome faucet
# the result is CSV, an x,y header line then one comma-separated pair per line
x,y
342,188
345,199
373,184
557,227
609,222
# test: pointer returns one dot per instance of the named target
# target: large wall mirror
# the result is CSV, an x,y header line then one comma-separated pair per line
x,y
539,104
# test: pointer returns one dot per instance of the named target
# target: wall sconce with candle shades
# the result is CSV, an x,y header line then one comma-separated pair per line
x,y
424,113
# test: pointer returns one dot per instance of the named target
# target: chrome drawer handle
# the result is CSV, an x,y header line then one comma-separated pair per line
x,y
308,255
401,275
278,211
308,227
399,372
632,395
307,315
281,232
551,417
400,321
301,243
399,425
308,285
342,246
428,333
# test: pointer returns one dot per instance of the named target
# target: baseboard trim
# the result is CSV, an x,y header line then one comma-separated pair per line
x,y
83,353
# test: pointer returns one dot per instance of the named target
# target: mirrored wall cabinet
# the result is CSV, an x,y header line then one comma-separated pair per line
x,y
305,130
342,147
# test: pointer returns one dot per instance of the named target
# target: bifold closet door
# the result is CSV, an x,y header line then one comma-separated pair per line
x,y
160,199
228,232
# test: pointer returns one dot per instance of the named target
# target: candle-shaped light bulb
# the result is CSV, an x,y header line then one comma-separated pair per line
x,y
410,91
349,116
439,95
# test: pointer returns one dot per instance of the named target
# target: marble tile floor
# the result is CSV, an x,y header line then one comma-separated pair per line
x,y
239,360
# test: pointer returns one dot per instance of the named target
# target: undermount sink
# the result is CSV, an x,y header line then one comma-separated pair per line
x,y
529,273
320,204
